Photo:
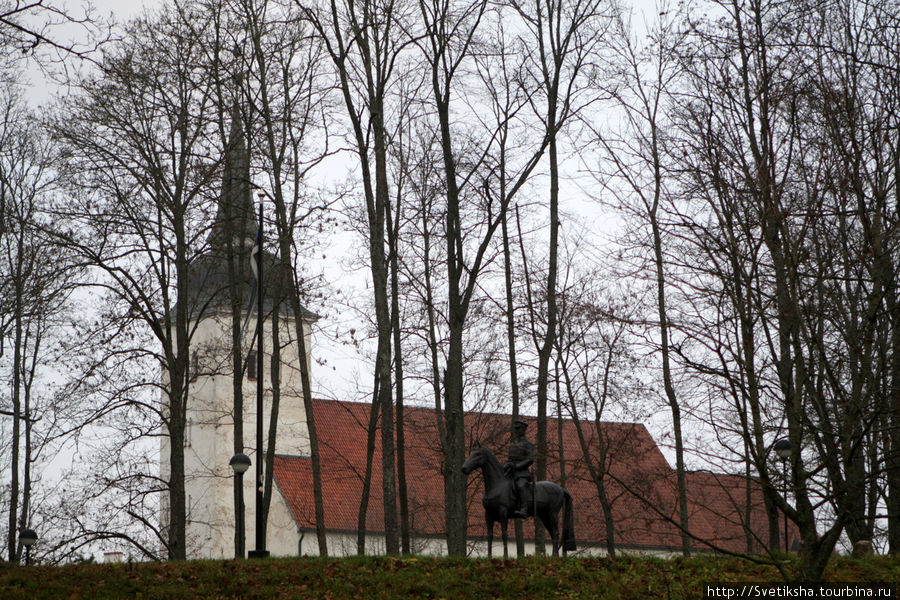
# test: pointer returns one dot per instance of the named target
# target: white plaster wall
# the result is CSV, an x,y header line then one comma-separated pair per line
x,y
209,437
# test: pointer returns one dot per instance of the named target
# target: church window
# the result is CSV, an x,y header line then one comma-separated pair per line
x,y
251,366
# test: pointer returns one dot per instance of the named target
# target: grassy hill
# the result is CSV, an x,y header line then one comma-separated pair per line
x,y
384,577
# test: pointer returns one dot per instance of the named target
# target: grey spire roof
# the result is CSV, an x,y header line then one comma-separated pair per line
x,y
231,241
235,217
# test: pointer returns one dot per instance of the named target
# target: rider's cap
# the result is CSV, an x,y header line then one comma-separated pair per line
x,y
520,424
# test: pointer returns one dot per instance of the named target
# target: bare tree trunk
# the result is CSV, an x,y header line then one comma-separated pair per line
x,y
180,361
546,348
275,372
14,486
596,462
665,350
511,345
560,442
311,428
286,220
25,512
393,230
371,30
892,449
237,259
432,329
378,215
367,480
453,442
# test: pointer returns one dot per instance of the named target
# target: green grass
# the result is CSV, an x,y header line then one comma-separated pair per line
x,y
383,577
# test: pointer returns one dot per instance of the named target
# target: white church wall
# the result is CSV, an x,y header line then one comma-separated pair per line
x,y
209,437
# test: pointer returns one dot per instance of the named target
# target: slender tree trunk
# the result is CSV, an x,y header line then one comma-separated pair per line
x,y
13,517
367,479
311,428
393,228
596,463
668,384
380,276
546,348
378,217
454,444
177,504
893,420
748,498
432,331
454,440
275,371
25,511
178,362
511,345
609,522
559,424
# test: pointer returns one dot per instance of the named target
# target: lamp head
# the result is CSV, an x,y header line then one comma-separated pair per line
x,y
28,537
782,448
240,463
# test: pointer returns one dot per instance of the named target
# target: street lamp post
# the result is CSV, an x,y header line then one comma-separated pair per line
x,y
239,463
28,537
783,450
260,551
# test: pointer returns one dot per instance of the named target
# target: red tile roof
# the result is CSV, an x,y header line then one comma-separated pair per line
x,y
639,484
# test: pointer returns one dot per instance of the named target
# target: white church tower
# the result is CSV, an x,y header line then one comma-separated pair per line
x,y
220,278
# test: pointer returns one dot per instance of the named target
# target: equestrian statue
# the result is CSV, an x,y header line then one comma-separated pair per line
x,y
510,491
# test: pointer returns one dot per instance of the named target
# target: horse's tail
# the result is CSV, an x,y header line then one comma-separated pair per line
x,y
568,532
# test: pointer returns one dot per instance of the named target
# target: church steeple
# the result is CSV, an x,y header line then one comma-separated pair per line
x,y
235,217
232,236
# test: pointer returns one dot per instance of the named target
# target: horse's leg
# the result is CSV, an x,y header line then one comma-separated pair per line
x,y
554,535
551,522
490,532
503,525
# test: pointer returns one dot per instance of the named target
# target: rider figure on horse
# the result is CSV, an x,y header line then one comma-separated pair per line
x,y
521,455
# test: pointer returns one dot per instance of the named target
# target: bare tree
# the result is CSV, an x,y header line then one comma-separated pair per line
x,y
286,104
771,157
596,372
638,160
34,289
366,43
565,38
452,32
45,29
136,139
851,95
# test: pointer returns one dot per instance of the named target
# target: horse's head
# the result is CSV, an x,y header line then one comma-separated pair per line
x,y
476,459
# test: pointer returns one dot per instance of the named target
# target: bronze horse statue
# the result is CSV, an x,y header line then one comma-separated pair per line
x,y
499,502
